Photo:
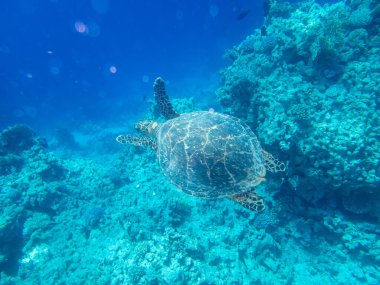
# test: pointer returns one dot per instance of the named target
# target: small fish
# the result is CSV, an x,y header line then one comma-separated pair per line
x,y
243,14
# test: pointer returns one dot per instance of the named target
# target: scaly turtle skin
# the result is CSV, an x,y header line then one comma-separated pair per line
x,y
206,154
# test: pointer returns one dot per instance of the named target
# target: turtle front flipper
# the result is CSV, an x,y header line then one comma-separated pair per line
x,y
137,141
162,100
249,200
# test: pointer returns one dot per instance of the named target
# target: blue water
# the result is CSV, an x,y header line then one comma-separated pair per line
x,y
77,207
47,64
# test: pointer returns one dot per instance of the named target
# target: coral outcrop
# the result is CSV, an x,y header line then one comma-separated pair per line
x,y
309,89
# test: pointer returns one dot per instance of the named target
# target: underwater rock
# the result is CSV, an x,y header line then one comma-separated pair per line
x,y
11,194
45,198
11,221
300,112
178,212
265,220
237,96
375,210
358,41
247,46
358,202
16,139
268,248
10,163
52,172
268,43
232,54
360,17
46,165
15,143
91,219
277,9
92,216
36,228
119,177
195,250
136,273
314,98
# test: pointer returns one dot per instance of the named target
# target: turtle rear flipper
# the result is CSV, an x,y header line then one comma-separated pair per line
x,y
249,200
137,141
163,101
272,164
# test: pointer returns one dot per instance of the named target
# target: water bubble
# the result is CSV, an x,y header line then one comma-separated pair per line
x,y
80,27
113,69
145,79
91,29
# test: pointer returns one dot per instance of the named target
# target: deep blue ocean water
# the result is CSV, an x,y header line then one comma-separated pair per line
x,y
48,65
79,208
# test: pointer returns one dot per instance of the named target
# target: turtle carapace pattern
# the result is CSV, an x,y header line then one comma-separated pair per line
x,y
206,154
210,155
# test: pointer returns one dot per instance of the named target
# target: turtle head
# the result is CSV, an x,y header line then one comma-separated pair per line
x,y
147,127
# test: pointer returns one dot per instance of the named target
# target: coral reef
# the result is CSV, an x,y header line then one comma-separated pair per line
x,y
141,230
308,88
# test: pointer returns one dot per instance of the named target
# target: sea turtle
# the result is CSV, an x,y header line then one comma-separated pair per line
x,y
206,154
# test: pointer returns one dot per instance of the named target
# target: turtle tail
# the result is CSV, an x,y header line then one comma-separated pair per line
x,y
162,100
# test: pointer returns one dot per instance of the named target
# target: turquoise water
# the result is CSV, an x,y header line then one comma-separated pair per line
x,y
77,207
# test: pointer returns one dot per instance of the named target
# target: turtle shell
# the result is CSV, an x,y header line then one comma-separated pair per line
x,y
210,155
